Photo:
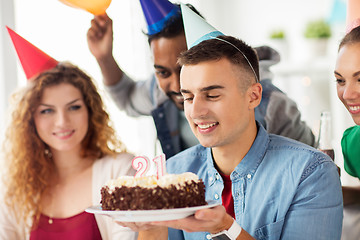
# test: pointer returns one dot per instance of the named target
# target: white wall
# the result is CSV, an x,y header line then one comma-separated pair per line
x,y
7,61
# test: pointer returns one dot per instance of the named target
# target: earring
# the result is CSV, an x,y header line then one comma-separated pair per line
x,y
47,153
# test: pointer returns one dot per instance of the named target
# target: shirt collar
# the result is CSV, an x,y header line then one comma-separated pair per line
x,y
251,160
255,155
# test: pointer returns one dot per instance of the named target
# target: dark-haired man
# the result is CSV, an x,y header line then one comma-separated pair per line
x,y
277,113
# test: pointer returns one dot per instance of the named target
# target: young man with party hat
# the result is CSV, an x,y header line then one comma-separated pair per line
x,y
278,113
269,186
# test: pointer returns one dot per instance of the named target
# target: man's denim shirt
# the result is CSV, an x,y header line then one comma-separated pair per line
x,y
282,189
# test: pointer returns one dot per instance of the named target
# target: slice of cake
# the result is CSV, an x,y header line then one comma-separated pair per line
x,y
148,192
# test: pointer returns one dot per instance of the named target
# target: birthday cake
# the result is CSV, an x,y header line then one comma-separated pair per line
x,y
149,192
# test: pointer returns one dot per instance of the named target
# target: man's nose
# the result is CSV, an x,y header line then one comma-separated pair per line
x,y
198,108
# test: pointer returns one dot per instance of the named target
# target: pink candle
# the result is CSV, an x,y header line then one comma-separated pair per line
x,y
141,165
160,165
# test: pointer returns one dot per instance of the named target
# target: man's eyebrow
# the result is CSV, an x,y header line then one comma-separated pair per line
x,y
205,89
159,66
184,91
212,87
356,73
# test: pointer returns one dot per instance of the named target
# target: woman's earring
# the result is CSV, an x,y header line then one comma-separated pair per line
x,y
47,153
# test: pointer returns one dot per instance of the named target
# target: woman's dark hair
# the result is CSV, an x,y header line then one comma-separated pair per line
x,y
352,37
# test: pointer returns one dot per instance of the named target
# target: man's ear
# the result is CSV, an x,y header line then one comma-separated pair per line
x,y
255,92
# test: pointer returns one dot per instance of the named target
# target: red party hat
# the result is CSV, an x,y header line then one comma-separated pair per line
x,y
33,60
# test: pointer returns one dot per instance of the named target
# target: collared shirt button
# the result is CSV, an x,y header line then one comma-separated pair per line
x,y
161,115
208,236
248,176
168,146
216,196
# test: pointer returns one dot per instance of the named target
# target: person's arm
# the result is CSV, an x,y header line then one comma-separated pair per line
x,y
351,195
135,97
284,118
10,227
100,42
316,211
146,230
280,113
213,220
154,234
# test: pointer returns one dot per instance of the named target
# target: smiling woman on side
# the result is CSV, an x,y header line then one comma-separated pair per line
x,y
60,149
347,74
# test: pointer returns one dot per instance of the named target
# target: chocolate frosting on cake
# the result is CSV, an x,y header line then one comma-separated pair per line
x,y
187,194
